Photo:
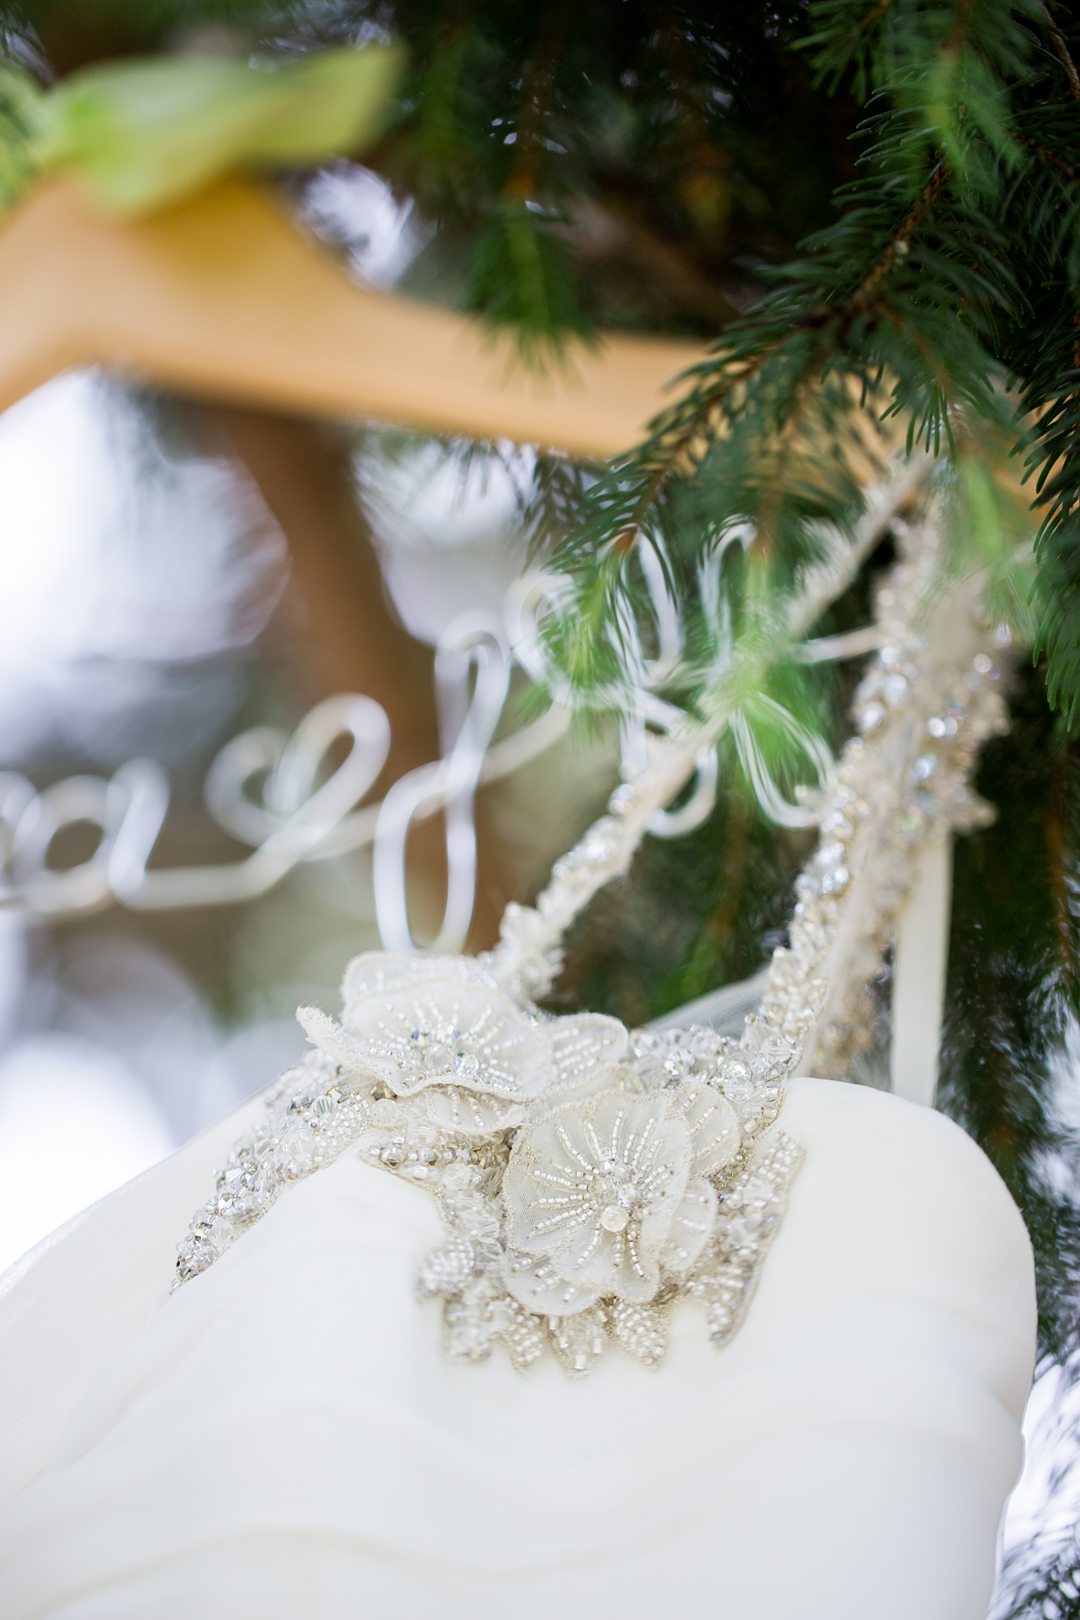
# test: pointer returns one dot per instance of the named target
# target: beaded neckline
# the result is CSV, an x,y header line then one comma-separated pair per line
x,y
590,1178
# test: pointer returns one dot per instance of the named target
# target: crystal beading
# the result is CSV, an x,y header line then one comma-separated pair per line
x,y
929,700
589,1179
586,1177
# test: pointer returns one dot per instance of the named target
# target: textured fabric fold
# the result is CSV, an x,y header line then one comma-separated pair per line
x,y
283,1435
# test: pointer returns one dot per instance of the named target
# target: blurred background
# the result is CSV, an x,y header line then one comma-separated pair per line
x,y
176,572
154,608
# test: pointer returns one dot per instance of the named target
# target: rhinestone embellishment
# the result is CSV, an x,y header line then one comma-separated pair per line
x,y
587,1179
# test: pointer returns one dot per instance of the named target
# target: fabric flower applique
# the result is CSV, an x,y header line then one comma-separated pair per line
x,y
587,1179
610,1192
444,1027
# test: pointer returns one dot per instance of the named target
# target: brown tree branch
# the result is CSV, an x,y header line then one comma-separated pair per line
x,y
1061,51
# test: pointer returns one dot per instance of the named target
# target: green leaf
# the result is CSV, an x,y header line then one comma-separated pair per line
x,y
522,276
142,134
21,101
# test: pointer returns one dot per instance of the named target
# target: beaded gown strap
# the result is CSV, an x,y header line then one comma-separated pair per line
x,y
927,703
528,956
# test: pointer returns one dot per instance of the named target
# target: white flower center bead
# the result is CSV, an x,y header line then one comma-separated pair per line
x,y
466,1065
614,1195
440,1051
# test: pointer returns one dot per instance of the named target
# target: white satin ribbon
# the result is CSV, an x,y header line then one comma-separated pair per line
x,y
920,963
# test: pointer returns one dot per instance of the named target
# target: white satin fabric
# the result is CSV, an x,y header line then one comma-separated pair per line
x,y
283,1437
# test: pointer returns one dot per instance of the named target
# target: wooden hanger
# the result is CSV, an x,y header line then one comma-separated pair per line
x,y
224,297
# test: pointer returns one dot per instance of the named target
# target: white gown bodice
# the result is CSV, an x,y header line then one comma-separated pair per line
x,y
284,1437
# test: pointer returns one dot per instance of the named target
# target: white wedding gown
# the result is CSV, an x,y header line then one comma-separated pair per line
x,y
283,1436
